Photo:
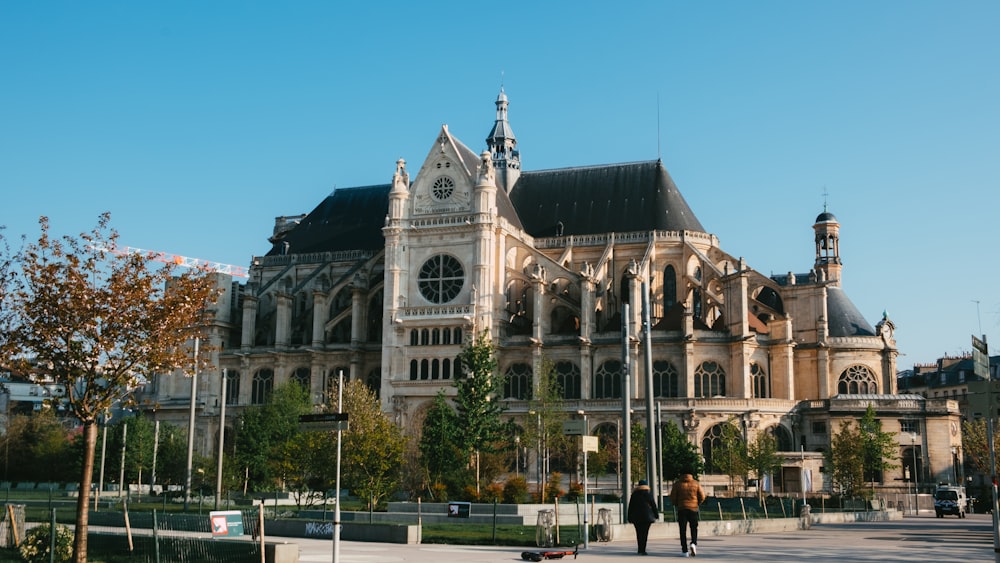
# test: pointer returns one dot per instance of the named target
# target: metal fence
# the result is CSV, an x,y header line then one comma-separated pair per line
x,y
159,537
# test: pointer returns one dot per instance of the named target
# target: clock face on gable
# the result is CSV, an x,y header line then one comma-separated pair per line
x,y
442,188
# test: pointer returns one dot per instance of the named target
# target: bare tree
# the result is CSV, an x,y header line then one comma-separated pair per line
x,y
97,321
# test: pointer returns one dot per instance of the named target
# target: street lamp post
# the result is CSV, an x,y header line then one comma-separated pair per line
x,y
916,474
222,438
586,524
517,456
538,452
907,476
954,465
191,421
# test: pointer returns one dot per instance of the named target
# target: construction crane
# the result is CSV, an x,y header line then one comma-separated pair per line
x,y
183,261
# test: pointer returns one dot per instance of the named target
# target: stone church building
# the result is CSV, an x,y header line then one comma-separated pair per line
x,y
386,283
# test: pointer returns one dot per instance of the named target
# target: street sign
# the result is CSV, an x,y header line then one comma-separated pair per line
x,y
574,427
589,443
984,399
459,509
980,358
226,523
323,421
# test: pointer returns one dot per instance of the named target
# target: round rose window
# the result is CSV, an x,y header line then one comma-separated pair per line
x,y
441,278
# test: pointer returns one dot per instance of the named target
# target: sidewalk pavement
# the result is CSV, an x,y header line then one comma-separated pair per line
x,y
907,540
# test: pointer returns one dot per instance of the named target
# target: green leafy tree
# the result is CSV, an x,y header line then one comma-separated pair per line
x,y
638,452
441,449
544,434
604,459
879,448
679,454
846,459
171,456
975,444
94,321
731,456
763,459
477,400
372,448
36,448
263,431
305,461
140,441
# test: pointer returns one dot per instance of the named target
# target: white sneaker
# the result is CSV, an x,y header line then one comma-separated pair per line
x,y
685,554
693,550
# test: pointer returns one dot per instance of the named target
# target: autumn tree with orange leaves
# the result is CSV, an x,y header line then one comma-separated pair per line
x,y
96,322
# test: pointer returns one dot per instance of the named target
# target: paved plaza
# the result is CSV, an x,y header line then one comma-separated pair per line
x,y
912,539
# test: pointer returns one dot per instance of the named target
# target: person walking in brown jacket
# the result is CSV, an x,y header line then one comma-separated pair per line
x,y
686,495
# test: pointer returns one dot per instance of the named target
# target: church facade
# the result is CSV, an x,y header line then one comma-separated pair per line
x,y
387,283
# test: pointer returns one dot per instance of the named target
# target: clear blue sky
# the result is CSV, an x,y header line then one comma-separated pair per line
x,y
196,123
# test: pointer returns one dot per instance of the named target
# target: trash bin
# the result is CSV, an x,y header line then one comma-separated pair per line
x,y
545,528
602,529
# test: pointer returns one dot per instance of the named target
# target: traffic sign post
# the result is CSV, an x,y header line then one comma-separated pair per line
x,y
323,421
981,367
574,427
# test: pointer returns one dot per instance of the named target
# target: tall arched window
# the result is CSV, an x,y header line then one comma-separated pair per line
x,y
782,438
375,317
517,383
665,378
857,380
232,387
332,376
709,445
374,382
303,376
669,287
626,288
761,383
709,380
263,384
568,377
414,370
608,380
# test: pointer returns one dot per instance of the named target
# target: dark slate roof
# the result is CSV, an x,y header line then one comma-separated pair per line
x,y
619,198
844,319
348,219
505,208
826,217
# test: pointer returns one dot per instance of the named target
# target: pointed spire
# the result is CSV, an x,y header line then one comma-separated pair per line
x,y
503,147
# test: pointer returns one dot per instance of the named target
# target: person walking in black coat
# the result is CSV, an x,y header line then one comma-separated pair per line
x,y
642,512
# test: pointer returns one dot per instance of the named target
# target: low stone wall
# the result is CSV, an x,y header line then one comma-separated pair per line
x,y
352,531
482,513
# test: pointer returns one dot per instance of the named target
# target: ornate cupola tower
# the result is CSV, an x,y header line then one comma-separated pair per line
x,y
828,265
503,148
